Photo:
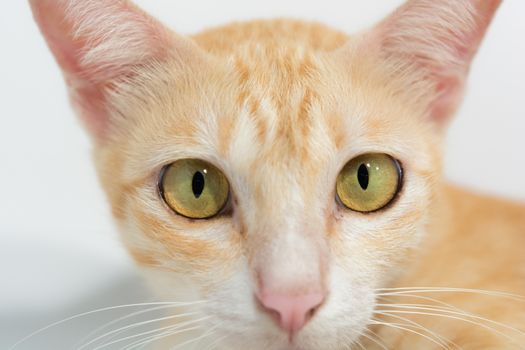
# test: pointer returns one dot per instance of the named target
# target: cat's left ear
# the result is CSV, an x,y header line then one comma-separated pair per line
x,y
432,43
100,42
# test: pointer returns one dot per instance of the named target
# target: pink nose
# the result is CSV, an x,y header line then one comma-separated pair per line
x,y
293,311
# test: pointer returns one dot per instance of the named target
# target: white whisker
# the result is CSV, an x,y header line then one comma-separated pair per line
x,y
206,334
372,337
134,325
462,313
106,325
419,326
172,327
217,342
361,346
40,330
347,340
439,302
395,291
402,327
148,340
449,316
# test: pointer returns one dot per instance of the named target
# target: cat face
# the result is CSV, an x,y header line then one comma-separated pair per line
x,y
284,263
285,229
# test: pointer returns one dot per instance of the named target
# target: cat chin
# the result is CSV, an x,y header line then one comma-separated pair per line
x,y
329,338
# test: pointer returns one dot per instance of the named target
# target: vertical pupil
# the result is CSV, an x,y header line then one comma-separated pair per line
x,y
197,184
362,176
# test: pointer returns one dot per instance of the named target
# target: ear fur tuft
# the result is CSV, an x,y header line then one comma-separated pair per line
x,y
97,42
438,40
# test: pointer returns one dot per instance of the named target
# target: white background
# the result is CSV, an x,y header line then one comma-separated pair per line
x,y
57,243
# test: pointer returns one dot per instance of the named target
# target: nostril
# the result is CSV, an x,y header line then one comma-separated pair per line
x,y
274,314
291,312
311,312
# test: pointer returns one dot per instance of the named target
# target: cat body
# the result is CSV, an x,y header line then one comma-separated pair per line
x,y
279,107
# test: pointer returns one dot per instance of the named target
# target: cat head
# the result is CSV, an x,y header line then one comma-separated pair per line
x,y
279,171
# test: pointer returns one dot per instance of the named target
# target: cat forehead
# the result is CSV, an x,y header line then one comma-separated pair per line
x,y
297,115
275,107
290,106
283,92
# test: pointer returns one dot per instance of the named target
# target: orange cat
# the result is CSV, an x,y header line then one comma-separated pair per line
x,y
287,178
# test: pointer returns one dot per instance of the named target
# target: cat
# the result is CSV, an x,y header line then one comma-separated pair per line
x,y
285,179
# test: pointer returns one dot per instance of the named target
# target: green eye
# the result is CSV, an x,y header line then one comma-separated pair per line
x,y
369,182
194,188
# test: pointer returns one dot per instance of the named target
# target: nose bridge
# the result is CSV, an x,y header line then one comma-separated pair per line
x,y
287,251
293,261
290,252
287,242
290,268
280,196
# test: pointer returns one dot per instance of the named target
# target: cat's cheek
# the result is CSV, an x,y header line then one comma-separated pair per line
x,y
233,308
159,238
384,237
347,309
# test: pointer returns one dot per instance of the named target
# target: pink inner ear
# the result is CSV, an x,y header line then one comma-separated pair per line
x,y
56,31
97,42
439,39
449,94
90,102
450,78
86,96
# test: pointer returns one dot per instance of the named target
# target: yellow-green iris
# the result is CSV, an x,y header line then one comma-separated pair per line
x,y
194,188
368,182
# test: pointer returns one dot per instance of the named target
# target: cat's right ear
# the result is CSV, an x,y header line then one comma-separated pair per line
x,y
429,45
98,42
